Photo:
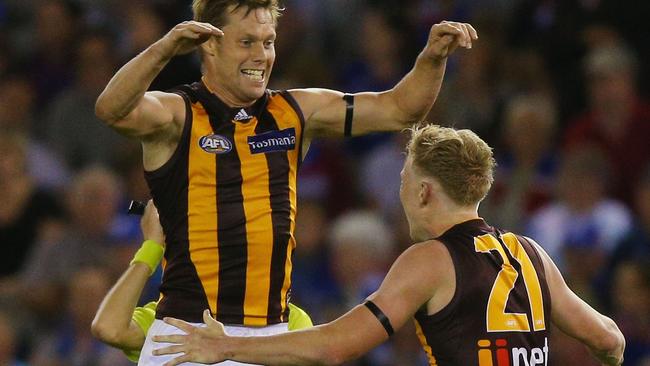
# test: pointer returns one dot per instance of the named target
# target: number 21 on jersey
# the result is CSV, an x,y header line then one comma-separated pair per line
x,y
497,319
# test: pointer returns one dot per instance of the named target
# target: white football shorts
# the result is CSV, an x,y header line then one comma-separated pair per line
x,y
161,328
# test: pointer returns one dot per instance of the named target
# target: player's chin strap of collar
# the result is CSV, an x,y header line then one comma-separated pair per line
x,y
383,319
349,113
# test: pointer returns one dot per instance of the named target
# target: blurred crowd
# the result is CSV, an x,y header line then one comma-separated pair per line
x,y
559,88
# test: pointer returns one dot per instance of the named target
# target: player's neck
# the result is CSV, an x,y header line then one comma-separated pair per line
x,y
223,94
442,221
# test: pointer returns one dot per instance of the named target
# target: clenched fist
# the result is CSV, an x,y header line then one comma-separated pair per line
x,y
445,37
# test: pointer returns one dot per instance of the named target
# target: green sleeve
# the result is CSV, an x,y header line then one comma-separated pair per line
x,y
143,317
298,318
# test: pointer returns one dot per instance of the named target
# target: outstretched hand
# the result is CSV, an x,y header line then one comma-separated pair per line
x,y
198,344
187,36
446,36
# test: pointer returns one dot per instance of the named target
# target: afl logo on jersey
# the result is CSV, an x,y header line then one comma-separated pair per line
x,y
215,144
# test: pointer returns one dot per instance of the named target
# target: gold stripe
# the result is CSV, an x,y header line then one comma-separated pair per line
x,y
425,345
285,117
202,208
497,320
259,225
531,280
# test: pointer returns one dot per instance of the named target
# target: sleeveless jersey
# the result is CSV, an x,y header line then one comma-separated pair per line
x,y
500,312
227,205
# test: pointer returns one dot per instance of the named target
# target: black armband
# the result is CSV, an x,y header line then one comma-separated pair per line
x,y
349,113
383,319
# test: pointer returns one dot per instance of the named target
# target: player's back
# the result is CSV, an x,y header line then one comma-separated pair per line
x,y
500,312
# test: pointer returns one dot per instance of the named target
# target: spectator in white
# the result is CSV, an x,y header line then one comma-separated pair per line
x,y
582,226
363,248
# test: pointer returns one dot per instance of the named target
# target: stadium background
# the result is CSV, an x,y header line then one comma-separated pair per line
x,y
559,88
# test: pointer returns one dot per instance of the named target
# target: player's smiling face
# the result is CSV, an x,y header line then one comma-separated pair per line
x,y
244,57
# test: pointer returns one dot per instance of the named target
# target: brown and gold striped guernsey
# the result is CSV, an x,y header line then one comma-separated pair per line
x,y
500,313
227,204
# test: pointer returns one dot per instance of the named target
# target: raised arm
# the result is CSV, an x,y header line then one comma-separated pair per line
x,y
577,319
392,110
113,323
403,291
125,103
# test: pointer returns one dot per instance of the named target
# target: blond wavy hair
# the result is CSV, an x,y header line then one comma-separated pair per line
x,y
459,160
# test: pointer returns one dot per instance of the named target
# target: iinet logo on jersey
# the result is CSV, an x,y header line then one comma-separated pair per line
x,y
510,356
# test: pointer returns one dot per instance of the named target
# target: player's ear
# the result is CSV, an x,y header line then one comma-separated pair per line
x,y
426,193
209,47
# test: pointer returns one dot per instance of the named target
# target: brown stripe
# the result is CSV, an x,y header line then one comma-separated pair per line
x,y
231,224
259,227
202,213
284,204
278,167
182,294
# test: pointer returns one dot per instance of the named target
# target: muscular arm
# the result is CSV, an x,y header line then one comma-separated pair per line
x,y
577,319
125,103
400,295
406,103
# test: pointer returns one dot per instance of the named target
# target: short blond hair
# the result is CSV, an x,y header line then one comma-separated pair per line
x,y
458,159
215,11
